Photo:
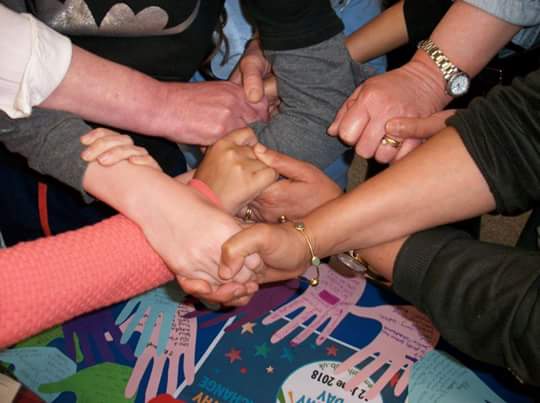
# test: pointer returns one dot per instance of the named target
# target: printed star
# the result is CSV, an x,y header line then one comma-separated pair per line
x,y
248,327
262,350
233,355
332,350
287,354
269,370
243,371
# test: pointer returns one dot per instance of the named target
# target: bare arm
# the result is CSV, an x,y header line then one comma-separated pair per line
x,y
381,35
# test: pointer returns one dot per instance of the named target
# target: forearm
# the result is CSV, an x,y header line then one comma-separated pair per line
x,y
482,297
106,92
453,36
50,141
437,183
381,35
51,280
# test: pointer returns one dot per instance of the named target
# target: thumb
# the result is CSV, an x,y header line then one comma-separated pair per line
x,y
286,166
242,248
252,80
418,127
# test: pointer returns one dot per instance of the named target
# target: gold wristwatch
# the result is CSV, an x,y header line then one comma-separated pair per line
x,y
457,81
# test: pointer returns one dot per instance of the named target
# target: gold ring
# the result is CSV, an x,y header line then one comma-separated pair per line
x,y
389,141
283,219
248,214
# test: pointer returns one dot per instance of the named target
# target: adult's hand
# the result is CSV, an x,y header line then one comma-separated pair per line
x,y
254,73
418,128
303,188
409,91
202,113
233,171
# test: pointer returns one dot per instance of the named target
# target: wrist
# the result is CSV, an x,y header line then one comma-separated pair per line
x,y
166,102
428,74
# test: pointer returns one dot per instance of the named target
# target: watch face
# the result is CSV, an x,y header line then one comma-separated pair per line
x,y
458,84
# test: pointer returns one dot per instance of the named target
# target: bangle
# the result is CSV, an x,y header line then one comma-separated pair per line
x,y
206,191
366,270
315,260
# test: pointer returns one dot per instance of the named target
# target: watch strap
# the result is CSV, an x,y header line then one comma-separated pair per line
x,y
447,68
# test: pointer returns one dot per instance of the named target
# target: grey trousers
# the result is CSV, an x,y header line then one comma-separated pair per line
x,y
313,83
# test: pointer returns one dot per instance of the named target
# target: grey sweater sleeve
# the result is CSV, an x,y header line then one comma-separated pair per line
x,y
483,298
517,12
49,140
502,134
313,83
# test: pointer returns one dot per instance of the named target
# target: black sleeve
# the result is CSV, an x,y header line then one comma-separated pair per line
x,y
502,134
49,140
422,16
293,24
483,298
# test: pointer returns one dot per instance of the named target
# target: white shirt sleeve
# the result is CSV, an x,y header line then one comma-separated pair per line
x,y
33,61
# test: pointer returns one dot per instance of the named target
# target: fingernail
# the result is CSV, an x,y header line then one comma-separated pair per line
x,y
259,148
393,127
84,155
253,95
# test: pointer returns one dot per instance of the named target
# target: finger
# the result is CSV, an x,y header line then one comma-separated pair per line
x,y
286,166
236,249
155,377
242,137
120,153
145,160
407,146
252,73
147,332
127,310
352,127
137,374
95,134
370,141
383,380
194,286
271,88
104,144
172,378
242,301
333,130
263,178
418,127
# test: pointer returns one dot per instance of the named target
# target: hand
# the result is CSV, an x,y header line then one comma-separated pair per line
x,y
108,148
331,300
180,342
94,332
406,336
231,169
266,299
35,366
303,189
254,73
418,128
282,248
99,383
160,305
202,113
404,92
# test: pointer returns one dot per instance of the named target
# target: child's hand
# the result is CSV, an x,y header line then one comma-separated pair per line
x,y
108,148
233,171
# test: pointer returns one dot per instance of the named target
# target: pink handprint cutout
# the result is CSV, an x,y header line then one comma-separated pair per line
x,y
406,336
181,342
331,299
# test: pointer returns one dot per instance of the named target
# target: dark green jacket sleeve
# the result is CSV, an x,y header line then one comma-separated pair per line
x,y
483,298
502,134
49,140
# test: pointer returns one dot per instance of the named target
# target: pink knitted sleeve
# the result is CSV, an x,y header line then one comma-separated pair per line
x,y
50,280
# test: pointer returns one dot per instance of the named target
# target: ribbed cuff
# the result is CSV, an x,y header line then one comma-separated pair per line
x,y
415,258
